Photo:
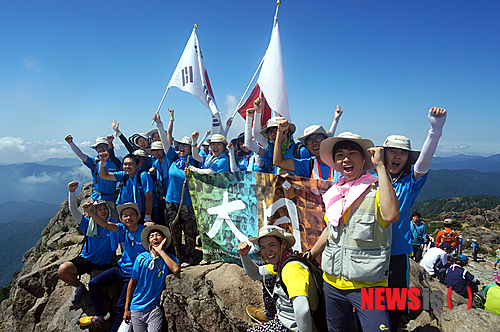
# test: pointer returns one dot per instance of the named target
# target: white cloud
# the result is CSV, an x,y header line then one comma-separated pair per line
x,y
78,173
36,179
463,147
9,143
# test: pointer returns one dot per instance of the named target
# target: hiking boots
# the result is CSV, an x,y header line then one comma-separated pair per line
x,y
79,291
256,314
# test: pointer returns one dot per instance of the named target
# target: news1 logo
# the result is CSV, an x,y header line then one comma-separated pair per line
x,y
396,298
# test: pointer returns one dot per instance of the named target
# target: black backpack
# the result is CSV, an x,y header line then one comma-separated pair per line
x,y
318,315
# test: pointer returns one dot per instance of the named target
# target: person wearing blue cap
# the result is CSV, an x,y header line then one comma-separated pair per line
x,y
458,278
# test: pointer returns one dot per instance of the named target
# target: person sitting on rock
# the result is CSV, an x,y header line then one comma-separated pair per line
x,y
275,246
102,189
138,186
98,252
129,234
492,303
435,260
148,280
458,278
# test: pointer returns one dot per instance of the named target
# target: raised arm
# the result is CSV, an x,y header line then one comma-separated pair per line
x,y
203,139
111,150
115,125
278,159
83,157
170,128
336,119
73,208
389,204
437,118
250,143
161,132
89,208
229,122
194,148
257,104
103,172
252,270
232,162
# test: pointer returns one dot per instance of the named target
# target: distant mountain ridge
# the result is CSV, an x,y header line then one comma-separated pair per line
x,y
26,211
489,164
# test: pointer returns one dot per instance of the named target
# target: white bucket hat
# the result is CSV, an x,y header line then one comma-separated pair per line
x,y
98,141
311,130
326,148
273,122
403,143
134,206
135,137
185,140
141,153
157,146
272,230
218,138
146,231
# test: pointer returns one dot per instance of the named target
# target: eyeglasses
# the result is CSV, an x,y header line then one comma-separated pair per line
x,y
317,139
183,145
272,130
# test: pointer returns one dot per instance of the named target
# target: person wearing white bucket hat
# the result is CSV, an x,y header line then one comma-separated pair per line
x,y
408,170
150,268
218,160
176,162
102,189
356,244
300,295
266,137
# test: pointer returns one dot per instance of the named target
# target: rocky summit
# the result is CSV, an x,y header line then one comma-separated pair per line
x,y
207,297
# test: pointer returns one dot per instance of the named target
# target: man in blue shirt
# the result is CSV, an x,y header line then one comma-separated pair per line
x,y
148,280
98,252
418,235
138,186
102,189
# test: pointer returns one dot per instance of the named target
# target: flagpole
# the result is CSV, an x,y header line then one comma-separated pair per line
x,y
278,4
248,87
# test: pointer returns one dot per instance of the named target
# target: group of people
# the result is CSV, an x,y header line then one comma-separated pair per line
x,y
366,242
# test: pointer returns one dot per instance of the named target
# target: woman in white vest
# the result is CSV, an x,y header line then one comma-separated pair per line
x,y
356,244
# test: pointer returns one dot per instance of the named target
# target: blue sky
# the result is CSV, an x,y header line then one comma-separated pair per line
x,y
71,67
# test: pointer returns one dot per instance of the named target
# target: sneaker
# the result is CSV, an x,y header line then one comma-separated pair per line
x,y
97,320
203,262
256,314
184,264
79,291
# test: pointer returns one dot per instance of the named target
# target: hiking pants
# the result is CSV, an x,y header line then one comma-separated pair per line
x,y
187,223
339,313
399,278
147,321
103,280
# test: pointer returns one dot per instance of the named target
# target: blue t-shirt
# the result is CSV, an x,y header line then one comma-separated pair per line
x,y
176,178
162,172
246,162
106,187
132,246
416,230
133,192
99,249
407,190
150,283
218,164
303,168
268,159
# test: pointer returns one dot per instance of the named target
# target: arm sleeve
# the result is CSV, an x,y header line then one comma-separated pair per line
x,y
256,131
253,271
203,140
115,160
195,153
83,157
424,160
249,141
333,127
73,208
125,142
163,137
302,313
202,170
232,162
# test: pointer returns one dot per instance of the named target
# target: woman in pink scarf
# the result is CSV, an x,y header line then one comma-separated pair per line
x,y
356,243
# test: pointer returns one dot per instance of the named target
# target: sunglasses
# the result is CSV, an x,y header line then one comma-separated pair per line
x,y
272,130
317,139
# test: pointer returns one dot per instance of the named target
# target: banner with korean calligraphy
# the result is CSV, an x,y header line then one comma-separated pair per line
x,y
231,207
